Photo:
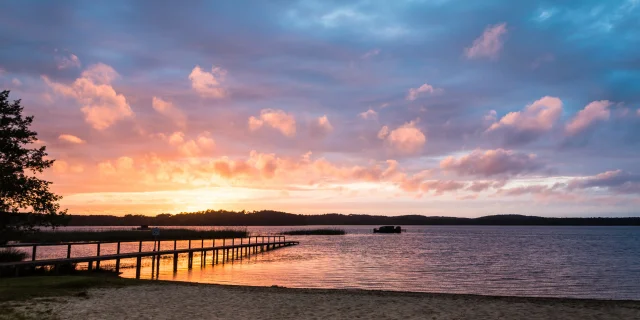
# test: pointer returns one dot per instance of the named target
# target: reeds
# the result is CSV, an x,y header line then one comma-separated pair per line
x,y
128,235
12,255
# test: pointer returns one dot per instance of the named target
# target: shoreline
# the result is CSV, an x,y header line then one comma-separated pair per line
x,y
153,299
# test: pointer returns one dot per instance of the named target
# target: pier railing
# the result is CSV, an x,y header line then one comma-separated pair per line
x,y
228,251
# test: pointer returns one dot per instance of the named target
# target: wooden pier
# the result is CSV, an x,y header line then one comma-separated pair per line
x,y
229,250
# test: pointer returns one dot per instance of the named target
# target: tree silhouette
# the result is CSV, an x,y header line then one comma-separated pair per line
x,y
25,200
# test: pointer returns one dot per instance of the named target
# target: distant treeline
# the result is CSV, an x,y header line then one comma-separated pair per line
x,y
276,218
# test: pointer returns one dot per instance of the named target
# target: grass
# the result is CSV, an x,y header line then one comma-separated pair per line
x,y
128,235
314,232
20,289
24,288
12,255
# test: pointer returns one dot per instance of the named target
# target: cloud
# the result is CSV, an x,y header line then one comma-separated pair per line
x,y
369,114
208,84
16,82
101,104
65,62
167,109
526,125
593,112
320,127
618,181
489,44
491,116
190,147
371,53
63,167
71,139
491,163
406,139
425,88
479,186
383,133
441,186
277,119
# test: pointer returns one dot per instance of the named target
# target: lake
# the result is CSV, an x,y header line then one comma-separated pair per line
x,y
577,262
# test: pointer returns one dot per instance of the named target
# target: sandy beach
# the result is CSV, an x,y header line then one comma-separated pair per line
x,y
201,301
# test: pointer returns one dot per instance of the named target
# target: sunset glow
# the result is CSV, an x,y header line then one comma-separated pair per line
x,y
388,107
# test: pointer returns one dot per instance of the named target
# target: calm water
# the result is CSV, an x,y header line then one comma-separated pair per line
x,y
580,262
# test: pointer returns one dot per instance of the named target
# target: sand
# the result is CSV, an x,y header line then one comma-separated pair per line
x,y
200,301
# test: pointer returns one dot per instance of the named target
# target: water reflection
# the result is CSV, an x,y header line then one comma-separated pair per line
x,y
581,262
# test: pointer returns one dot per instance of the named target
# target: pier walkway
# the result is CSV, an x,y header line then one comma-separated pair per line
x,y
229,250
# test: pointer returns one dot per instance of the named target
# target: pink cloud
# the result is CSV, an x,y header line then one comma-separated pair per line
x,y
190,147
592,113
405,139
277,119
617,181
534,120
63,167
208,84
425,88
320,127
70,61
492,162
167,109
383,133
71,139
369,114
101,104
489,44
479,186
439,186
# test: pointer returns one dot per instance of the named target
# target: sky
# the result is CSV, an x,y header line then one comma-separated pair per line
x,y
434,107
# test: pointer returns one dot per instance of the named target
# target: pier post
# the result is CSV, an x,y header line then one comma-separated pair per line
x,y
249,247
118,259
175,262
217,252
90,266
203,255
68,251
98,254
190,259
33,253
140,246
138,265
159,241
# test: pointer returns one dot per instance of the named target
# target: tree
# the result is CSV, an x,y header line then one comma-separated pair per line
x,y
25,200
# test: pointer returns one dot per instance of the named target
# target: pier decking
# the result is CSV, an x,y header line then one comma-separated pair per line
x,y
220,253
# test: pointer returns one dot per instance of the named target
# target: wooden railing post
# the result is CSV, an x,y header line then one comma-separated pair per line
x,y
118,259
203,255
138,265
33,253
175,262
158,257
98,254
69,251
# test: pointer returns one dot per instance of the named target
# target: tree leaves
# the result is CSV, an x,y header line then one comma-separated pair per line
x,y
20,190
